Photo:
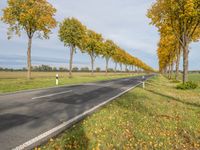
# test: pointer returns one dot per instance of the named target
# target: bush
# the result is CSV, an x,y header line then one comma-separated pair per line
x,y
187,86
75,69
98,69
85,69
110,70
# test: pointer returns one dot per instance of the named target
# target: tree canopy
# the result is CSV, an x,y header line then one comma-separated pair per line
x,y
180,18
32,16
72,33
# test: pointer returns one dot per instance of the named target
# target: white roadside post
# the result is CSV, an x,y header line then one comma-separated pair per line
x,y
143,85
56,79
143,82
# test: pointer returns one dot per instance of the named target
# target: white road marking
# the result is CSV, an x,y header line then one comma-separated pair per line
x,y
49,95
100,85
126,79
64,124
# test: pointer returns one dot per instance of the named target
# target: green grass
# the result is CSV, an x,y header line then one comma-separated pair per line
x,y
159,117
195,77
16,81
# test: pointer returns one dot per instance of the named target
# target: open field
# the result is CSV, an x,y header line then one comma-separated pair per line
x,y
195,77
20,74
16,81
159,117
192,77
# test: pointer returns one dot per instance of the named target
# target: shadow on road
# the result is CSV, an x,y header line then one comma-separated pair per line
x,y
13,120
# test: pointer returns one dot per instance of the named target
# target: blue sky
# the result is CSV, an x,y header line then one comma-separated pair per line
x,y
124,22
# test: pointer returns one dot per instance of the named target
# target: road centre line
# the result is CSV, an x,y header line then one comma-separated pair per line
x,y
49,95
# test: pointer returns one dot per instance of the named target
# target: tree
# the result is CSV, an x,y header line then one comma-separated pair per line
x,y
107,50
73,34
183,16
31,16
168,51
93,46
116,57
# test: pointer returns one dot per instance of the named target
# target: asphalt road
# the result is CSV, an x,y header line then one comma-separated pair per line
x,y
25,115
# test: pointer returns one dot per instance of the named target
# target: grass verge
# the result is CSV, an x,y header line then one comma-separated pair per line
x,y
159,117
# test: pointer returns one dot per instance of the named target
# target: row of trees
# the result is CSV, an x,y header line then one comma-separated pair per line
x,y
76,36
179,25
37,18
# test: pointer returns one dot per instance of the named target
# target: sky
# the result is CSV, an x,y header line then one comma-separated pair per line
x,y
124,22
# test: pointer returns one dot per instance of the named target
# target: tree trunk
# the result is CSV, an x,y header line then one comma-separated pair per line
x,y
185,47
107,60
169,68
136,69
121,66
126,68
165,71
29,58
115,66
92,64
185,63
172,69
177,63
71,61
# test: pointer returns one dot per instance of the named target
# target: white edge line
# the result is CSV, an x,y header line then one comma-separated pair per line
x,y
49,95
64,124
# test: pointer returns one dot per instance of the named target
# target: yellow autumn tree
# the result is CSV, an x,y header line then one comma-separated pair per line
x,y
93,46
73,34
183,17
35,17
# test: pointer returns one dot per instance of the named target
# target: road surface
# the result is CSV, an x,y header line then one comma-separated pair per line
x,y
40,114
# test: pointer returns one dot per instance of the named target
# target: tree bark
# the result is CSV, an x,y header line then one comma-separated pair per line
x,y
107,60
185,47
71,60
165,71
92,64
136,69
185,63
121,66
169,68
29,58
115,66
177,63
172,69
126,68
